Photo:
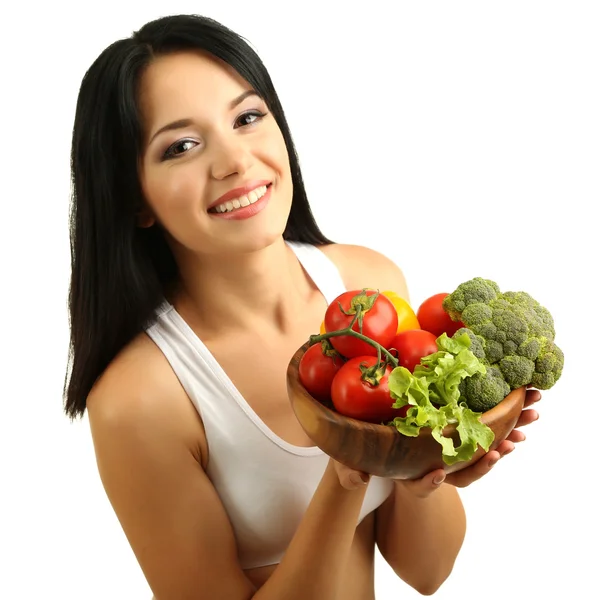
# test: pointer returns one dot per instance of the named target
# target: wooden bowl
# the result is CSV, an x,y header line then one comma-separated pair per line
x,y
382,450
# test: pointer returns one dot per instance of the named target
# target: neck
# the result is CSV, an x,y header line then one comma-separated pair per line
x,y
262,289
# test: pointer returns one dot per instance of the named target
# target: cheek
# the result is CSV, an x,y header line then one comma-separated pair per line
x,y
172,192
282,155
281,159
274,151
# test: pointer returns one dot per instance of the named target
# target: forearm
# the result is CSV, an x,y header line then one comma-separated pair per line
x,y
314,563
420,537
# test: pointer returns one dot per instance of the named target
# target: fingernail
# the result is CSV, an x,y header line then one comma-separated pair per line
x,y
438,479
357,479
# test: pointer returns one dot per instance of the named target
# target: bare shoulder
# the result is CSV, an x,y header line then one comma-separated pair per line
x,y
139,391
146,436
361,267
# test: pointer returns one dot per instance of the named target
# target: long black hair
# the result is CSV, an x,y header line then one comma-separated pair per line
x,y
119,272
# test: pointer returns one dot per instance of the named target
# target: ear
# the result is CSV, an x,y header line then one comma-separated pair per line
x,y
145,218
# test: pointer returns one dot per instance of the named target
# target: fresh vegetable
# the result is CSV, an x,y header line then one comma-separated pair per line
x,y
437,380
360,390
372,314
412,378
515,333
474,291
549,364
407,319
432,316
412,345
317,368
484,391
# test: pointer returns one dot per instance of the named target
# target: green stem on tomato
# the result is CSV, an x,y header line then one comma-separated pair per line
x,y
349,331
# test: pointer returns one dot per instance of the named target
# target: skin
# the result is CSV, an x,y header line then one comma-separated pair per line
x,y
149,440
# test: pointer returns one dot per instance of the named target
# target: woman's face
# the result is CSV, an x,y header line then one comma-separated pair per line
x,y
206,135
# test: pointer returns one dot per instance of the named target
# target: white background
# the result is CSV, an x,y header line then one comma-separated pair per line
x,y
460,138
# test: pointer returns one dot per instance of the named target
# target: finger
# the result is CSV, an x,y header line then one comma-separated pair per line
x,y
482,467
531,397
354,480
527,417
516,436
351,479
505,447
427,484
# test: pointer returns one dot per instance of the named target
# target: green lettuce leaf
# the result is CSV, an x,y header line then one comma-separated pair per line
x,y
436,381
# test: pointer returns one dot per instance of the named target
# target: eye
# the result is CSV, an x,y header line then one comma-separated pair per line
x,y
178,148
249,118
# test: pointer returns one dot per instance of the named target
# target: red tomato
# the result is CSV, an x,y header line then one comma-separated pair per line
x,y
412,346
359,399
316,371
432,317
379,322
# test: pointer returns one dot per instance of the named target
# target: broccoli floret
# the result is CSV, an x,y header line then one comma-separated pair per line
x,y
476,314
494,351
470,292
501,329
486,350
501,302
515,332
548,366
539,320
530,348
483,392
544,321
477,343
522,298
510,326
517,370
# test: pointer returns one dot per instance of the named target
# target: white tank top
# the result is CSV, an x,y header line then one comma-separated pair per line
x,y
264,483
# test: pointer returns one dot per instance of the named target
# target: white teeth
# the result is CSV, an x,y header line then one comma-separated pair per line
x,y
242,201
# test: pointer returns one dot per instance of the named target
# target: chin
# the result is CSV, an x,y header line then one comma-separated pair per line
x,y
265,232
259,241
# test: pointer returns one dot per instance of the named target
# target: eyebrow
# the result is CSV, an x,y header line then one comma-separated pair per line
x,y
181,123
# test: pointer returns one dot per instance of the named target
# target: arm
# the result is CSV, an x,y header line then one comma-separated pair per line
x,y
148,457
315,561
420,537
421,527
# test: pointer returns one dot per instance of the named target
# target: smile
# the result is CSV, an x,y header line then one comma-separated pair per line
x,y
246,200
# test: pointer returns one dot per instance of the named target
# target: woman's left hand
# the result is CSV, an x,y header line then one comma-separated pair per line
x,y
429,483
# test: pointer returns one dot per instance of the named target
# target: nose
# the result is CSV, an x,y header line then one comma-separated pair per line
x,y
230,157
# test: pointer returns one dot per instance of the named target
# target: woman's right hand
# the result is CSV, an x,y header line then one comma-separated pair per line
x,y
349,478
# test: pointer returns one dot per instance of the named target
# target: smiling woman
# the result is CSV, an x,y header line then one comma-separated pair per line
x,y
197,271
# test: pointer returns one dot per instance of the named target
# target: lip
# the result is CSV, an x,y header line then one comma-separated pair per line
x,y
244,190
245,212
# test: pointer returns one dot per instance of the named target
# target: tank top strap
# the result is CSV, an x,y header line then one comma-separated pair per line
x,y
320,268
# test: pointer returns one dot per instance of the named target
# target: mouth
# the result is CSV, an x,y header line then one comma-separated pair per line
x,y
241,201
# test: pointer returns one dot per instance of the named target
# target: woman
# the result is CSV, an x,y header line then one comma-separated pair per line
x,y
197,271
